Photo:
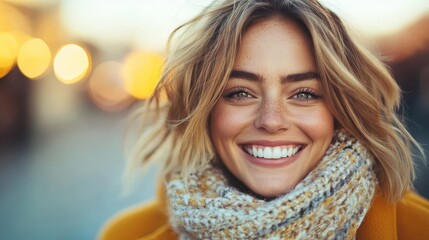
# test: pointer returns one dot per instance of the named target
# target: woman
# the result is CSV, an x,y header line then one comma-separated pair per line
x,y
273,123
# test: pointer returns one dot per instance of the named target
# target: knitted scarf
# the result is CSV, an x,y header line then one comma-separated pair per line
x,y
329,203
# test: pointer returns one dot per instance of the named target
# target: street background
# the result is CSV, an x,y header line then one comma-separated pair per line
x,y
72,70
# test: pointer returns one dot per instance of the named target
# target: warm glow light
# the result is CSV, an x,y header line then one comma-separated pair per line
x,y
32,3
34,58
106,87
71,64
141,73
8,52
13,19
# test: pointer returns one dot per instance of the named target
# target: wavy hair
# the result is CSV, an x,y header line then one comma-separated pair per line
x,y
358,89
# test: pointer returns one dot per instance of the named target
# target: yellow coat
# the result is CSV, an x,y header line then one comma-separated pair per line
x,y
406,220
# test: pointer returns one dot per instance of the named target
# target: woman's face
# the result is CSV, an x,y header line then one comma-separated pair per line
x,y
271,126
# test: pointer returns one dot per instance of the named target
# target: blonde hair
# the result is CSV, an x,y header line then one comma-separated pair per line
x,y
358,89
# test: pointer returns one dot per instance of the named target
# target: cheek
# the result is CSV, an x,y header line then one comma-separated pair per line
x,y
318,123
227,121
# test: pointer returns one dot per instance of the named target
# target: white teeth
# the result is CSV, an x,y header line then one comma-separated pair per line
x,y
289,152
277,152
272,152
268,152
260,153
284,152
295,150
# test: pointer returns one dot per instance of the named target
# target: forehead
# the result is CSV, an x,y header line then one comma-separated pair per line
x,y
275,43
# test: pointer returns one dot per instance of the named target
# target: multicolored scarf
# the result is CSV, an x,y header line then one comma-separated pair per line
x,y
329,203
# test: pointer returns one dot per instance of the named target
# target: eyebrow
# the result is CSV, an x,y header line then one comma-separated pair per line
x,y
296,77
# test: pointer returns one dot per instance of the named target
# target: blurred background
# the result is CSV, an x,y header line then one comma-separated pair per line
x,y
71,71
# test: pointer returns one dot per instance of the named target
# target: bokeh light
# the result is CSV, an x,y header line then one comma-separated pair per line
x,y
106,87
71,64
34,58
8,52
141,72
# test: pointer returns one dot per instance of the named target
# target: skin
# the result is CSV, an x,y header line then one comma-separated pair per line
x,y
274,99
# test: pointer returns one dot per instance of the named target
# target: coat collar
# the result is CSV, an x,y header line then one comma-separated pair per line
x,y
380,221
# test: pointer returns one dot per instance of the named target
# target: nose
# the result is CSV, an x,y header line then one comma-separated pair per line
x,y
273,116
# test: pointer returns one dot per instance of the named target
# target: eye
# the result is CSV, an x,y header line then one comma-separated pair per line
x,y
305,95
238,94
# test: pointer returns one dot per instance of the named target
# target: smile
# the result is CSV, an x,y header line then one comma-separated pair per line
x,y
271,152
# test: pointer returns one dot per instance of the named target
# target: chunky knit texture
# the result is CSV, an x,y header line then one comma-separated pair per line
x,y
329,203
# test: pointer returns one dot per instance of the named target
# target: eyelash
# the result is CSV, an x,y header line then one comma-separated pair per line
x,y
232,94
311,95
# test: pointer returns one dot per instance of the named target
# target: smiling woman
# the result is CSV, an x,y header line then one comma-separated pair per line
x,y
271,122
272,106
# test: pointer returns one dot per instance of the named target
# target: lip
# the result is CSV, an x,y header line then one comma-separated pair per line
x,y
272,163
272,143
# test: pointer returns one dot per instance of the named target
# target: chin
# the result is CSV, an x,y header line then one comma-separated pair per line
x,y
271,191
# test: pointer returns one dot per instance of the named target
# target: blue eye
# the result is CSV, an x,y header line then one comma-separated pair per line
x,y
238,93
305,95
